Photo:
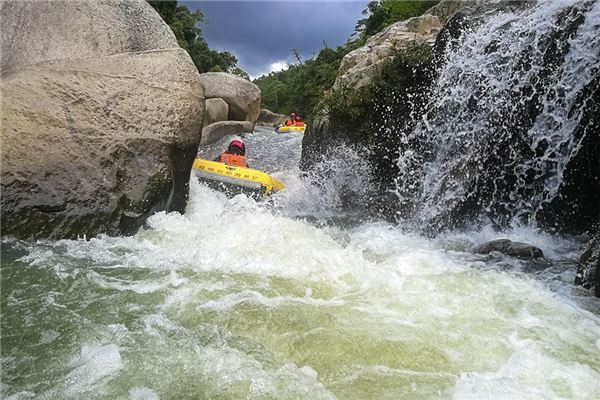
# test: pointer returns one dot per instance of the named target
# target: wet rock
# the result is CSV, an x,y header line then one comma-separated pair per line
x,y
514,249
242,96
512,174
101,118
216,131
216,110
575,207
588,272
269,118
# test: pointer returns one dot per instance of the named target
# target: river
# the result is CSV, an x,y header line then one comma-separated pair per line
x,y
288,299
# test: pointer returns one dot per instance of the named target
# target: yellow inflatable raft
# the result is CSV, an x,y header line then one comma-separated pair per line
x,y
227,177
290,128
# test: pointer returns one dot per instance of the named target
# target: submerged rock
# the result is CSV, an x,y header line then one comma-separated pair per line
x,y
510,248
242,96
101,118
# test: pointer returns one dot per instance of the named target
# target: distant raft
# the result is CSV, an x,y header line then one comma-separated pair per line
x,y
232,179
290,128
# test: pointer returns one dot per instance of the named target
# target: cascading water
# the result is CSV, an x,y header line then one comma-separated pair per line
x,y
503,122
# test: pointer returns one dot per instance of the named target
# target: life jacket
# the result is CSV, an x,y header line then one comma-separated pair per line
x,y
289,122
299,123
233,159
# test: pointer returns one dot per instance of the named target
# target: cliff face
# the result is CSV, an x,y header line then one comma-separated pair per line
x,y
362,66
101,118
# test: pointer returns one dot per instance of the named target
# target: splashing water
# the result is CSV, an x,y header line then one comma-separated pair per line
x,y
244,299
502,125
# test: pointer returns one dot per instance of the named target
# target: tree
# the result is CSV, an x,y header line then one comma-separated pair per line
x,y
296,53
303,85
239,72
300,87
185,26
382,13
374,21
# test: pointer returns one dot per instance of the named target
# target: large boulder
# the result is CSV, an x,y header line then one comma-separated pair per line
x,y
216,110
366,118
101,117
34,31
213,132
361,66
269,118
242,96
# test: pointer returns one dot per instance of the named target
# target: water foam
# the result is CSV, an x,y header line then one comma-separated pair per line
x,y
237,299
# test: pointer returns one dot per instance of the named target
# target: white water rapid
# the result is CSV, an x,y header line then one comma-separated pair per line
x,y
275,300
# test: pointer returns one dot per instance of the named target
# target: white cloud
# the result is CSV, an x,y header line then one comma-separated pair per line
x,y
275,67
279,66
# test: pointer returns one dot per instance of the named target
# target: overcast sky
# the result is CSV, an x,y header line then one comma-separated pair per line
x,y
262,34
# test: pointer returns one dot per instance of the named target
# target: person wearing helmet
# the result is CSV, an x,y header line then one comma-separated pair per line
x,y
299,122
235,155
292,120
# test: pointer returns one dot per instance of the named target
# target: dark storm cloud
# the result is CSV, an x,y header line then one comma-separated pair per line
x,y
260,33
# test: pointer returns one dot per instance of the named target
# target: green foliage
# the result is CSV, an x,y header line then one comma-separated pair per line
x,y
239,72
348,111
396,10
352,107
299,88
184,25
380,14
375,19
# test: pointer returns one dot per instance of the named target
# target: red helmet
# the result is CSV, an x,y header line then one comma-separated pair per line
x,y
292,114
238,143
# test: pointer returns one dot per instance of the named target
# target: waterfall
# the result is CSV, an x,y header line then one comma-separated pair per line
x,y
504,119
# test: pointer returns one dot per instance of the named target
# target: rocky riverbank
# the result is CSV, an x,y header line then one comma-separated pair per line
x,y
486,121
102,117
